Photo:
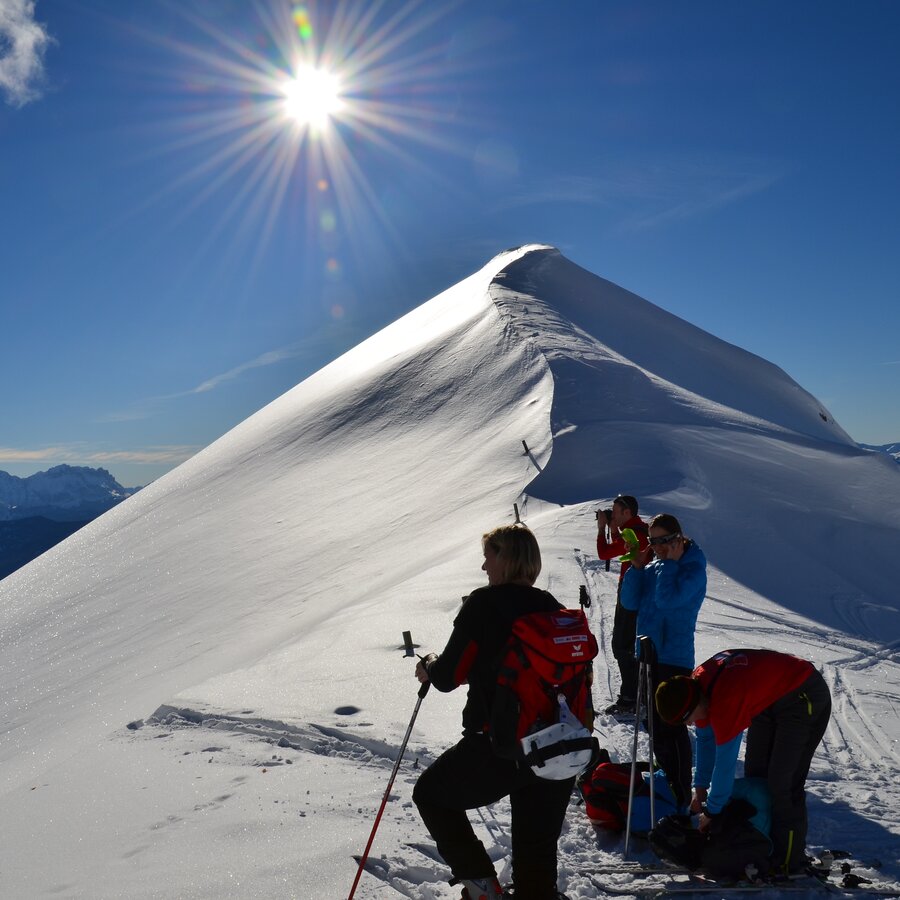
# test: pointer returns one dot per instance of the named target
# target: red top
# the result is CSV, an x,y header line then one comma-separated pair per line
x,y
740,684
618,547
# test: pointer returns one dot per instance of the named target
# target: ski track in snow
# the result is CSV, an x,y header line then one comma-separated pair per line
x,y
599,583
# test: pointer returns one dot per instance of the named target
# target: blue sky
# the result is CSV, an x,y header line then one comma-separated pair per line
x,y
176,251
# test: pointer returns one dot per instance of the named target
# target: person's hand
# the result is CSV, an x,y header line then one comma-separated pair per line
x,y
704,822
643,558
421,667
700,795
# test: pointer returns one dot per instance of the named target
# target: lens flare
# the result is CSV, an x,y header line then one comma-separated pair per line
x,y
302,23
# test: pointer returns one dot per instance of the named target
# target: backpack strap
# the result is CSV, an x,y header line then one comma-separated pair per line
x,y
719,670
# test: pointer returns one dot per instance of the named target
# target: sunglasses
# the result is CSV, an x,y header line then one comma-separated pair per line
x,y
665,539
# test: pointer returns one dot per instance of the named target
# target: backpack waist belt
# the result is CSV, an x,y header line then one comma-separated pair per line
x,y
538,756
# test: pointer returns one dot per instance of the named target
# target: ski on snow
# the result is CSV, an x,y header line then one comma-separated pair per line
x,y
703,886
695,884
817,879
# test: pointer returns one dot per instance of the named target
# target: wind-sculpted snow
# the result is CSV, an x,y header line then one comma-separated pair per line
x,y
204,691
754,466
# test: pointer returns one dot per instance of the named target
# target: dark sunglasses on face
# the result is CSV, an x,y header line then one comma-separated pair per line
x,y
664,539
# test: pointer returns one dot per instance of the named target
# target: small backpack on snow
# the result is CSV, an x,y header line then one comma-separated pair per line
x,y
605,792
542,713
731,848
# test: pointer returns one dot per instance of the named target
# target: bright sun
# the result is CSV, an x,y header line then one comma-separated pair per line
x,y
312,97
300,111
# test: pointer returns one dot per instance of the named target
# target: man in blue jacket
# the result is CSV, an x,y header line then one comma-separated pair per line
x,y
667,594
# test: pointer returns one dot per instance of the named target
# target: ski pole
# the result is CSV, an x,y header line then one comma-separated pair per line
x,y
423,690
648,655
634,747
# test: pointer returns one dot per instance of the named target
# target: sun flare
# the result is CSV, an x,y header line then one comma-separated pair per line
x,y
288,105
312,97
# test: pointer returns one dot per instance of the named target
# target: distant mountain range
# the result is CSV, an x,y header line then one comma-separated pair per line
x,y
890,449
39,511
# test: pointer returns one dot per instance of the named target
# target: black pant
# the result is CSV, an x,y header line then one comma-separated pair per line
x,y
622,645
672,745
781,742
470,775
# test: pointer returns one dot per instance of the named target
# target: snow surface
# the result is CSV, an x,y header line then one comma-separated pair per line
x,y
204,689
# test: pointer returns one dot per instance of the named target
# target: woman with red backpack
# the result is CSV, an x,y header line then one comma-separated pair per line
x,y
471,774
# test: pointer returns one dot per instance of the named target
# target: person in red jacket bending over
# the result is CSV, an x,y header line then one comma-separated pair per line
x,y
784,704
623,514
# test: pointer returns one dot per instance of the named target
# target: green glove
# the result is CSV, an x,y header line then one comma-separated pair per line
x,y
631,539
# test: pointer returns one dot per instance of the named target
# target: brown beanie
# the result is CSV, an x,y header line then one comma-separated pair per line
x,y
677,698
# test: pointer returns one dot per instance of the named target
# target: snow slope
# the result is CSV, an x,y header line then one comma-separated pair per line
x,y
244,613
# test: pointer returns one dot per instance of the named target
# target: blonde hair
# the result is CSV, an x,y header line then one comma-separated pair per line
x,y
517,548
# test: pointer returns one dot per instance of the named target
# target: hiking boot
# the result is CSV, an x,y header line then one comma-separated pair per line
x,y
622,706
481,889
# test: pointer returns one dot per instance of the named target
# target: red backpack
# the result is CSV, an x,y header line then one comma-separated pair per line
x,y
605,792
543,685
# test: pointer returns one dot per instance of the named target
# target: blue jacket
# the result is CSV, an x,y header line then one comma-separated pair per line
x,y
667,595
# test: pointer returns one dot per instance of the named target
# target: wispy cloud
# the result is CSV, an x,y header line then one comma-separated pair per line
x,y
23,42
83,455
150,406
17,454
333,335
266,359
643,195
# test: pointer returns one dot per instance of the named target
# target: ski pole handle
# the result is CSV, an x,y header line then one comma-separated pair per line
x,y
423,689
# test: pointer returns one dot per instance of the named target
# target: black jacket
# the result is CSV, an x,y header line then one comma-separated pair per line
x,y
480,632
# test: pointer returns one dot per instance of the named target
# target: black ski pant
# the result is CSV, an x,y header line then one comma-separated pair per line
x,y
622,645
672,744
781,742
470,775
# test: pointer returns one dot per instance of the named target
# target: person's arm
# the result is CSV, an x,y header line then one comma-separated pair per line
x,y
635,583
449,669
706,756
680,583
610,549
722,780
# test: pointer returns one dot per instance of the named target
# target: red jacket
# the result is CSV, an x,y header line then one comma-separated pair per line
x,y
618,547
740,684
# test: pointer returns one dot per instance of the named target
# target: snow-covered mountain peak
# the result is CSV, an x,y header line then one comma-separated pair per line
x,y
573,314
60,492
